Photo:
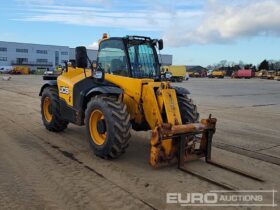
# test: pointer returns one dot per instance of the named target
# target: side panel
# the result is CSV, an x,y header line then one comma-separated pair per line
x,y
69,114
178,71
66,83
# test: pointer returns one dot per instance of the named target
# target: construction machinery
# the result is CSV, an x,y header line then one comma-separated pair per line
x,y
271,75
20,70
277,75
243,73
190,73
262,74
216,74
174,73
123,90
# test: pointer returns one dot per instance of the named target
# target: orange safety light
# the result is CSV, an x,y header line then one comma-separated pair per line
x,y
105,36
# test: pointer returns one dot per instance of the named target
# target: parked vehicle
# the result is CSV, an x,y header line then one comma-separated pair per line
x,y
277,75
20,70
190,73
48,72
271,74
217,74
200,74
243,73
177,73
262,74
5,69
209,73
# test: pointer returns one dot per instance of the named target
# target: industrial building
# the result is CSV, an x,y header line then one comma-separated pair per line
x,y
39,56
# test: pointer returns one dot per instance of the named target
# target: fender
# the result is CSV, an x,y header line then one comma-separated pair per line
x,y
181,90
104,90
86,95
50,83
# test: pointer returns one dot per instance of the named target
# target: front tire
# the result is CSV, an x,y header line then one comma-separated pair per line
x,y
108,126
50,110
188,109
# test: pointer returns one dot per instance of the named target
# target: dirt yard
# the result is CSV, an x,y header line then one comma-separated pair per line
x,y
44,170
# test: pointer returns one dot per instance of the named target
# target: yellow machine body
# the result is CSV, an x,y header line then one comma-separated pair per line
x,y
147,101
218,73
152,104
66,82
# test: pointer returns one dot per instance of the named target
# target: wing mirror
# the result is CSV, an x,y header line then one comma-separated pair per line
x,y
160,44
81,57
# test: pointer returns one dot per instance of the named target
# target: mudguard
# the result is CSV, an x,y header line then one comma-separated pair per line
x,y
104,90
86,95
50,83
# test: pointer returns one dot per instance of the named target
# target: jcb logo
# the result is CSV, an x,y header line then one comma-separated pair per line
x,y
64,90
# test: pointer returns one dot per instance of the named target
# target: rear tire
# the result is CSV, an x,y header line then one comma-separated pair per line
x,y
115,134
50,110
188,110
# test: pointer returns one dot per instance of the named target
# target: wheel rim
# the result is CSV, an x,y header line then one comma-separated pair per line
x,y
96,137
46,109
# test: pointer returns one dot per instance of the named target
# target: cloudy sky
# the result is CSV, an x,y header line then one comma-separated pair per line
x,y
195,32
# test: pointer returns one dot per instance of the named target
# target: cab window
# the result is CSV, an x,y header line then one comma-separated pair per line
x,y
143,61
112,58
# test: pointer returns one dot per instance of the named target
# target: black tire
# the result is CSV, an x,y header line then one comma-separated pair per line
x,y
180,79
56,124
187,109
117,123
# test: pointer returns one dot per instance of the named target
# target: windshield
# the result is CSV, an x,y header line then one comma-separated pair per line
x,y
143,61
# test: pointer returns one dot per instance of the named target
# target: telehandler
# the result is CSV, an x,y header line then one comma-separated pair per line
x,y
123,89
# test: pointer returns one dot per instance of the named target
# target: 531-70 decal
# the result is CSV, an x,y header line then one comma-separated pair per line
x,y
64,90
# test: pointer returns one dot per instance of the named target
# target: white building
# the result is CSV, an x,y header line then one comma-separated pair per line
x,y
33,55
38,56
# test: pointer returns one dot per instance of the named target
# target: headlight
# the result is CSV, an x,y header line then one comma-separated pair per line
x,y
98,74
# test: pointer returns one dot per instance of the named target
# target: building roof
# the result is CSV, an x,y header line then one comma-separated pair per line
x,y
51,45
195,68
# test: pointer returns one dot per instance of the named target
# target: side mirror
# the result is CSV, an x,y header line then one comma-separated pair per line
x,y
160,44
81,57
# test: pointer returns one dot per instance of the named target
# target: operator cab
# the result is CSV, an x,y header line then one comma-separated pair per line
x,y
130,56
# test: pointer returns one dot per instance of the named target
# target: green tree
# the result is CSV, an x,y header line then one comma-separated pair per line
x,y
264,65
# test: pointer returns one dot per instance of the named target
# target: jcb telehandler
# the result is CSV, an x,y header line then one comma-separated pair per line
x,y
123,89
